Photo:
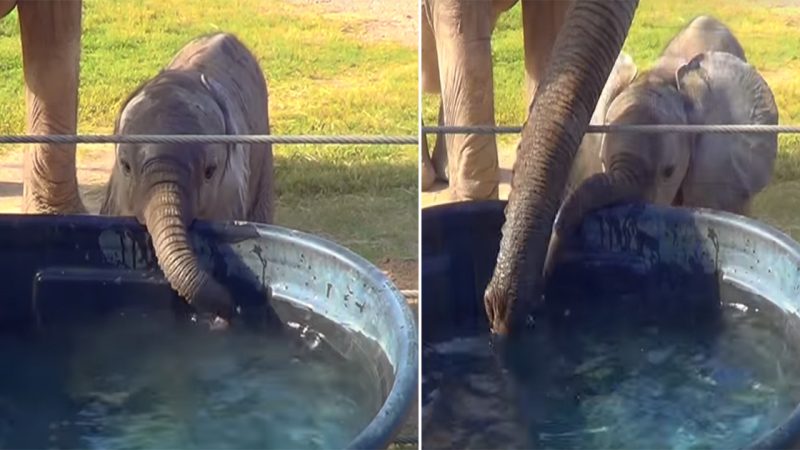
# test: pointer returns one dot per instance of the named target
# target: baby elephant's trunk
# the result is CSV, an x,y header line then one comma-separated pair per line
x,y
165,215
624,182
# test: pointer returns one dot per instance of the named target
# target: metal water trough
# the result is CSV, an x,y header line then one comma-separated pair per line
x,y
680,255
106,257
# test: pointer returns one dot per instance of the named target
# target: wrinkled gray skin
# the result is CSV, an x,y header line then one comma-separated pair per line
x,y
214,85
587,161
456,62
581,62
583,55
701,78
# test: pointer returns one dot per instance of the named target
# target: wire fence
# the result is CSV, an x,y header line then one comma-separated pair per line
x,y
208,139
716,129
372,139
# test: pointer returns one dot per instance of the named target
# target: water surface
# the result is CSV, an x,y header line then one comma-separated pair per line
x,y
604,387
137,380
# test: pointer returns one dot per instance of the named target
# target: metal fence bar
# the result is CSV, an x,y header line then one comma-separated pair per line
x,y
717,129
205,138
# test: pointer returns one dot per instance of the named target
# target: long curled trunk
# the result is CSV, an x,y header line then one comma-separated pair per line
x,y
166,218
623,183
583,56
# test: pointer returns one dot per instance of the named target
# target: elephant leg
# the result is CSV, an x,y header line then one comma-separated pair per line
x,y
436,168
541,22
6,6
429,64
440,150
463,44
51,41
427,174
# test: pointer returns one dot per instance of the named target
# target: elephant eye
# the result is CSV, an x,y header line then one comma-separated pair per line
x,y
210,170
126,166
669,171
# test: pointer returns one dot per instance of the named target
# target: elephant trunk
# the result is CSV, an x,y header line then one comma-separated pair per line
x,y
167,216
625,182
558,119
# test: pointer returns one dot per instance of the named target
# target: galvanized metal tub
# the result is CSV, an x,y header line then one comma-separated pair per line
x,y
316,273
680,254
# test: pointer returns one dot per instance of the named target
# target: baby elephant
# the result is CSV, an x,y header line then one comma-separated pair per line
x,y
702,78
214,85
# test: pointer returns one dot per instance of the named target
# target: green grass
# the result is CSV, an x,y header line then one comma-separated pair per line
x,y
323,79
769,35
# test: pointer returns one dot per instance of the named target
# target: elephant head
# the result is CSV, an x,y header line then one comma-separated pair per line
x,y
720,171
167,186
582,58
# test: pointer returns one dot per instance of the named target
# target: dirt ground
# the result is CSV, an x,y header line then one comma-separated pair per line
x,y
94,168
439,193
393,20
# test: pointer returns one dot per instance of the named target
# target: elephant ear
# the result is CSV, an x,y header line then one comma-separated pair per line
x,y
237,173
727,170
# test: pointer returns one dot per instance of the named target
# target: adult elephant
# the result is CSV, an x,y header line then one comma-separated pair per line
x,y
51,41
583,56
457,63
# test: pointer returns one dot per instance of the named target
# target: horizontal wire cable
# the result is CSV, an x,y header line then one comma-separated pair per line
x,y
205,138
716,129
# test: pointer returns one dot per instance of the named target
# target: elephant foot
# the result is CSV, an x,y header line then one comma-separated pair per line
x,y
37,204
42,194
468,190
454,194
